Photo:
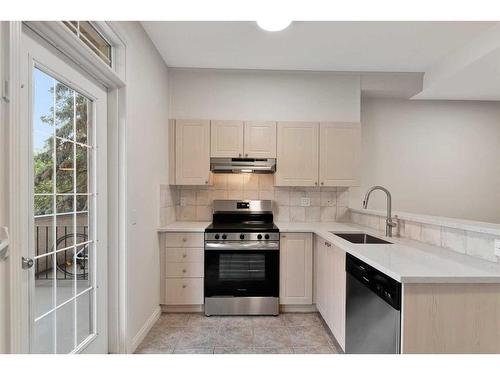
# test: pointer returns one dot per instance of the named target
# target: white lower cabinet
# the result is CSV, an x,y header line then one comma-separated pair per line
x,y
330,286
296,269
184,291
182,269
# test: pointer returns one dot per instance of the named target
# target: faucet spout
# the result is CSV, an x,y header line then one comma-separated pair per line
x,y
389,223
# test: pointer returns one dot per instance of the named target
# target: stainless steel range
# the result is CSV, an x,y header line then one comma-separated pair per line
x,y
242,259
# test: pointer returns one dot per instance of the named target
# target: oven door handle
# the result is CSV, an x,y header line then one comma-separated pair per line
x,y
242,245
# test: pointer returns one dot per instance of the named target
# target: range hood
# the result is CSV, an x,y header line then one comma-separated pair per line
x,y
242,165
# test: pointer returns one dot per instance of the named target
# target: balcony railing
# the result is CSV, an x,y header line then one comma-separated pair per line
x,y
72,257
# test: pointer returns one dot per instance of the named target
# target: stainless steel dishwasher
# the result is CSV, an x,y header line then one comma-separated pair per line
x,y
373,310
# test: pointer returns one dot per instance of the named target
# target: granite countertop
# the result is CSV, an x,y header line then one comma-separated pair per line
x,y
404,260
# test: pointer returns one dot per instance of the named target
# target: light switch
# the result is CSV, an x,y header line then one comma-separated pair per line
x,y
497,247
305,202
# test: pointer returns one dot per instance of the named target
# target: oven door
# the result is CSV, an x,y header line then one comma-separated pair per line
x,y
242,269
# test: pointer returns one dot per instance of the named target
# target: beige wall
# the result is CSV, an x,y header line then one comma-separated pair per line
x,y
4,265
147,168
436,157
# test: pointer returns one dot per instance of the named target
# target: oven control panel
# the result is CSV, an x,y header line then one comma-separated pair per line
x,y
246,236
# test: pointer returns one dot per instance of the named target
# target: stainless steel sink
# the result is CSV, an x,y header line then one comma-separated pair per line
x,y
360,237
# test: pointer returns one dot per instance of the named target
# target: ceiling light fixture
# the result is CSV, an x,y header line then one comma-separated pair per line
x,y
273,24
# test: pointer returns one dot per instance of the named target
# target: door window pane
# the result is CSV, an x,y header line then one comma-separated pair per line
x,y
82,165
65,111
84,316
44,340
63,242
82,114
43,161
65,319
44,285
65,167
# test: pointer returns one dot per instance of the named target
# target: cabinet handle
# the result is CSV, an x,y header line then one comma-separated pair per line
x,y
316,183
239,155
184,239
183,271
184,255
322,183
328,244
184,286
206,182
246,155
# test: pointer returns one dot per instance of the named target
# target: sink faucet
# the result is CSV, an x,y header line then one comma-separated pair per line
x,y
389,223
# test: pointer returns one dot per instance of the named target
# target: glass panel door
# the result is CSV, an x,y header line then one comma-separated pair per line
x,y
63,299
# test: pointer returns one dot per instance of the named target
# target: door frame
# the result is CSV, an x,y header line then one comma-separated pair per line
x,y
19,188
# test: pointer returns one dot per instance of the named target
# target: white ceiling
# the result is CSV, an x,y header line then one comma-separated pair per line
x,y
320,46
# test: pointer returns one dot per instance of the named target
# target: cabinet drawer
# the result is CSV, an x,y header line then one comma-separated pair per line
x,y
184,291
186,239
184,269
182,255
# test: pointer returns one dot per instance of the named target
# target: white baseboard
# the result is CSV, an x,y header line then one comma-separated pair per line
x,y
199,308
136,341
182,308
298,308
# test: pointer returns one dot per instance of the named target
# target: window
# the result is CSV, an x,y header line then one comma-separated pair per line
x,y
89,35
64,236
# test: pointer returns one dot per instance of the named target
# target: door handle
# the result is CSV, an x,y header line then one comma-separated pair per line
x,y
27,263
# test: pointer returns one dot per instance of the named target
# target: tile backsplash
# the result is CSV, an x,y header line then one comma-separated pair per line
x,y
475,244
194,203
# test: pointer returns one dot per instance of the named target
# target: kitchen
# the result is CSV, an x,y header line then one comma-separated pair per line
x,y
256,191
312,175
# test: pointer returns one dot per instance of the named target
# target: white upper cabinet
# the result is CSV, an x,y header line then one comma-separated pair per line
x,y
192,152
226,139
339,150
297,154
296,269
260,139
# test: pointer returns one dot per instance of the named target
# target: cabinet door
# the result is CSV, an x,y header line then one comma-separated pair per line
x,y
260,139
296,269
320,276
297,154
338,295
339,153
331,287
192,152
226,139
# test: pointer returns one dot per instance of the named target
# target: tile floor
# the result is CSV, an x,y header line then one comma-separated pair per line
x,y
289,333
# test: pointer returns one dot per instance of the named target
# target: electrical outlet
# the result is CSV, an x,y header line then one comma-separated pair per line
x,y
305,202
183,202
497,247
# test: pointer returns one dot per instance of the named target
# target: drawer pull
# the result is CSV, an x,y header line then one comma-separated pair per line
x,y
184,255
184,239
184,271
184,286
